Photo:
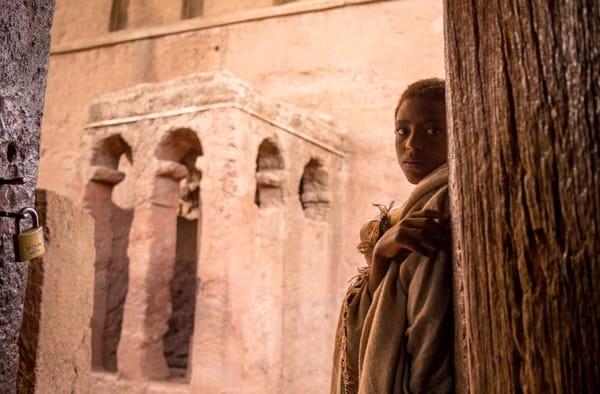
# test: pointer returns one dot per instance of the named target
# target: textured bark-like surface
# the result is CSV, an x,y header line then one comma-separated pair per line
x,y
524,95
54,340
24,48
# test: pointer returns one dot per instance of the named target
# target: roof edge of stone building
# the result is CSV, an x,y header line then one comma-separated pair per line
x,y
208,91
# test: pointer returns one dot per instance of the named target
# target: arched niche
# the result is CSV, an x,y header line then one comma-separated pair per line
x,y
111,164
270,176
178,177
314,192
108,151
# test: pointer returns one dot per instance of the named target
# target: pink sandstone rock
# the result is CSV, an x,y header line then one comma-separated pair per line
x,y
55,334
350,59
222,298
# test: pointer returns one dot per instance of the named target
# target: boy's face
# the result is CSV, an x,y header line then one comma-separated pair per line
x,y
421,139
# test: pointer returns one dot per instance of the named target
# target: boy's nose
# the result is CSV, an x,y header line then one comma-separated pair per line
x,y
413,142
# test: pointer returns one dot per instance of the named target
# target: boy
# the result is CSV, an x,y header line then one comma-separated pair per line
x,y
395,329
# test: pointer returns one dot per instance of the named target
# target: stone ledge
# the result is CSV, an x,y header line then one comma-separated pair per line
x,y
203,23
212,91
109,383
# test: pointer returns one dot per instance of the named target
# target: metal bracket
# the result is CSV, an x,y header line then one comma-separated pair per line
x,y
13,181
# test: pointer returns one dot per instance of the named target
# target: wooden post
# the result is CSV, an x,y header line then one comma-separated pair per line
x,y
524,96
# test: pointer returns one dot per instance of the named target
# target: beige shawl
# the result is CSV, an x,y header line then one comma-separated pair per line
x,y
399,340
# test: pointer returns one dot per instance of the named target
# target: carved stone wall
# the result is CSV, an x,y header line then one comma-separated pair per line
x,y
102,17
222,292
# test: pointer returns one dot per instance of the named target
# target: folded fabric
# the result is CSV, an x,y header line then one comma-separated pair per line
x,y
399,340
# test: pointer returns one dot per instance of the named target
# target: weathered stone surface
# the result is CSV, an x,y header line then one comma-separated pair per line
x,y
24,49
106,175
153,12
216,7
341,59
81,22
172,170
272,178
54,342
241,326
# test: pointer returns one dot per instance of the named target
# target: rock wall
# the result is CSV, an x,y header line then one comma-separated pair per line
x,y
24,50
224,290
349,59
54,341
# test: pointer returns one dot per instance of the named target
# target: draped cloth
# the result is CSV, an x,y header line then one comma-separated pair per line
x,y
399,340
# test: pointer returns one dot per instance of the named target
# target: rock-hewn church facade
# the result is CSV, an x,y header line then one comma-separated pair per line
x,y
228,152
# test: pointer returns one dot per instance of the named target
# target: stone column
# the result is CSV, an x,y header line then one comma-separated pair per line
x,y
152,253
24,49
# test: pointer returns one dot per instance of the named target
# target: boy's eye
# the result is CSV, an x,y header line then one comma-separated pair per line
x,y
402,131
432,131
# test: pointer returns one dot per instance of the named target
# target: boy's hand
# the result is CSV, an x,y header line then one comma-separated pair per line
x,y
424,232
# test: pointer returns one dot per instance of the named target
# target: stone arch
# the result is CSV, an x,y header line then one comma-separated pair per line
x,y
314,193
270,176
177,185
110,162
107,152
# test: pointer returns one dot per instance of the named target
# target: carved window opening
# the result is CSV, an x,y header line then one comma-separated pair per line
x,y
315,196
183,148
270,176
111,204
118,15
192,9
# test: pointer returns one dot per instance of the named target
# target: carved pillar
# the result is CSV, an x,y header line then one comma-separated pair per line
x,y
152,254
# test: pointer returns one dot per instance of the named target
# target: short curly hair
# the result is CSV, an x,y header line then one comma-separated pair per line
x,y
431,88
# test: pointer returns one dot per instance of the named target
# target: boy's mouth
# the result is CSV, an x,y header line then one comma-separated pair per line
x,y
414,163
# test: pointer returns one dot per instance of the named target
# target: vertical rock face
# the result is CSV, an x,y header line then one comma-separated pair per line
x,y
54,341
24,48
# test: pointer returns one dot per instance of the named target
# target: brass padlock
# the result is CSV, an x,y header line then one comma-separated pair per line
x,y
30,243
